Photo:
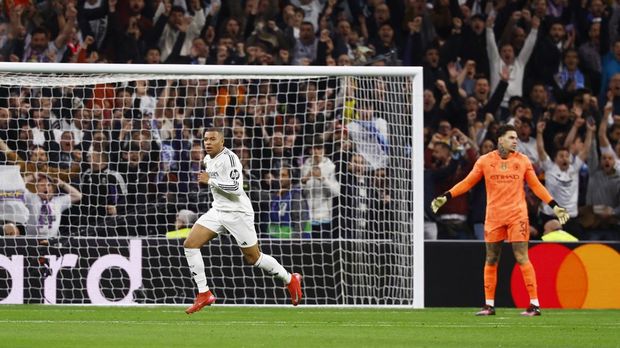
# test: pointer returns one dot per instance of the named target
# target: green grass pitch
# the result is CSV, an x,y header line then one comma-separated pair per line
x,y
223,326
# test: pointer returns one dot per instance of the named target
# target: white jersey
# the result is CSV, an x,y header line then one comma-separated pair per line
x,y
45,216
529,149
562,185
226,182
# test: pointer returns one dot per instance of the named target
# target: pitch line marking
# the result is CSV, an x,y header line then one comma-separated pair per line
x,y
286,323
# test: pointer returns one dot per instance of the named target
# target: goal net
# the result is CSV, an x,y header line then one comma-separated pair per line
x,y
99,167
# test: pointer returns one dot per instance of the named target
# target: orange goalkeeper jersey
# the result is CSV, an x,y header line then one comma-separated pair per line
x,y
504,185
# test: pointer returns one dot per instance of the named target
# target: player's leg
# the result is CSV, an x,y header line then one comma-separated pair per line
x,y
520,250
494,237
241,226
202,232
198,236
253,256
493,253
267,263
519,235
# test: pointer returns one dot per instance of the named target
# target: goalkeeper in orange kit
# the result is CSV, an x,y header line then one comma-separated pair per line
x,y
504,171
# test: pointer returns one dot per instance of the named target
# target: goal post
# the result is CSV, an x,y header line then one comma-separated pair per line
x,y
333,163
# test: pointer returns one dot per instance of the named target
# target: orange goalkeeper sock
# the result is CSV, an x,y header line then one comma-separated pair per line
x,y
529,277
490,282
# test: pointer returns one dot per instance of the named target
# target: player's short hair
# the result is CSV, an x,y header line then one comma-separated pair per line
x,y
505,129
215,129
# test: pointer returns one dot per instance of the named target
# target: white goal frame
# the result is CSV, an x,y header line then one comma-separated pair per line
x,y
416,228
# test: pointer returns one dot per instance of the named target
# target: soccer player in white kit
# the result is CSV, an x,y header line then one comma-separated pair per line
x,y
231,211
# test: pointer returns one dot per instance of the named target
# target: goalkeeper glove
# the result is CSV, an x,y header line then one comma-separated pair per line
x,y
439,201
560,213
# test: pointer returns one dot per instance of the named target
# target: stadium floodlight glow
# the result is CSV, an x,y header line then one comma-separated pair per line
x,y
366,117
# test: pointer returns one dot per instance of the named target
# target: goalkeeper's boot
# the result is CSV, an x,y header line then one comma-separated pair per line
x,y
294,288
202,300
486,310
531,311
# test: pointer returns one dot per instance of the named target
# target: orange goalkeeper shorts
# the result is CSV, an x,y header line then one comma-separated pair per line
x,y
518,231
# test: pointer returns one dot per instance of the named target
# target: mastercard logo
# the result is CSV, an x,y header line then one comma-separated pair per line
x,y
585,277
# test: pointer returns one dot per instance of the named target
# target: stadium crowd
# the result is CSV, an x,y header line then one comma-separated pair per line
x,y
551,68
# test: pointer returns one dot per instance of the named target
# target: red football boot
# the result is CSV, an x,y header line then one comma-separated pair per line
x,y
203,299
294,288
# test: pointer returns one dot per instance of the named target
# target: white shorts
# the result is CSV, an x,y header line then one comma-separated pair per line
x,y
239,225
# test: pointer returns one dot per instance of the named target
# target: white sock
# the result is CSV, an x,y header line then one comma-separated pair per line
x,y
197,267
273,267
490,303
534,301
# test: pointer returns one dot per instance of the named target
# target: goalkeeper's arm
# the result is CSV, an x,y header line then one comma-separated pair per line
x,y
463,186
440,201
560,213
541,192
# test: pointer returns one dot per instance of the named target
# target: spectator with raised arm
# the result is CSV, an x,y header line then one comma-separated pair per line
x,y
605,145
590,55
305,49
171,21
557,127
38,47
505,56
451,163
47,204
601,214
468,43
562,174
548,52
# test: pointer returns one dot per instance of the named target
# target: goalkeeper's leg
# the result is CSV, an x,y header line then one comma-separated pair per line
x,y
493,253
520,250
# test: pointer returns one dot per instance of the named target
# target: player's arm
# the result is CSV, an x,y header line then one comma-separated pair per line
x,y
541,192
229,177
463,186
